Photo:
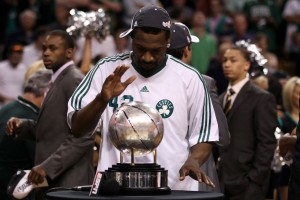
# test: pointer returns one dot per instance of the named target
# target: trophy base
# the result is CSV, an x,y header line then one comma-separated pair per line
x,y
140,179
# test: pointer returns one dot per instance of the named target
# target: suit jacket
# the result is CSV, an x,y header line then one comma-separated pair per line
x,y
209,167
252,122
67,160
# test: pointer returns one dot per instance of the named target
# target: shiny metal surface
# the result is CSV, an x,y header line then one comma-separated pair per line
x,y
136,126
140,179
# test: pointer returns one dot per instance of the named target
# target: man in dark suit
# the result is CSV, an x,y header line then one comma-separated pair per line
x,y
251,115
64,160
180,47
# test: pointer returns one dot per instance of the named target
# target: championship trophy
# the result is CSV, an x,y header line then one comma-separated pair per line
x,y
137,129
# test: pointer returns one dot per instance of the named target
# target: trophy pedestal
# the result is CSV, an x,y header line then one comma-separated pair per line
x,y
140,179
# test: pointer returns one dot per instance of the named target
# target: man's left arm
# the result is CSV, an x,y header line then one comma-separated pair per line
x,y
199,154
203,129
265,123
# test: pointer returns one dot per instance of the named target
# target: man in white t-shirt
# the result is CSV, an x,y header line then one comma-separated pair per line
x,y
12,73
149,75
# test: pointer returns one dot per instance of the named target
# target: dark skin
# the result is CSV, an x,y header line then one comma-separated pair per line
x,y
55,54
149,51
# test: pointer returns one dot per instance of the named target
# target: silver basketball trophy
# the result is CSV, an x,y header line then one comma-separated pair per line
x,y
137,129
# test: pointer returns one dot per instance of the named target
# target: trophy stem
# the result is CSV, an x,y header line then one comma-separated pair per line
x,y
121,157
132,156
155,156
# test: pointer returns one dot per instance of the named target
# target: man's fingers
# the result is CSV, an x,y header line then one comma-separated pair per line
x,y
183,173
208,182
119,71
129,80
12,125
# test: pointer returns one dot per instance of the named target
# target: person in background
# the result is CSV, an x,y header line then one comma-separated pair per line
x,y
180,47
261,40
66,161
202,53
287,123
12,73
18,154
252,120
147,74
215,69
240,28
291,144
33,51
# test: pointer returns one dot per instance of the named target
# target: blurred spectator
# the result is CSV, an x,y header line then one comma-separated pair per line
x,y
234,7
98,48
203,51
12,73
291,14
261,40
18,154
240,28
218,23
83,5
264,17
24,33
130,7
261,81
215,67
61,11
202,6
121,44
287,123
113,9
296,57
33,51
180,7
9,20
46,12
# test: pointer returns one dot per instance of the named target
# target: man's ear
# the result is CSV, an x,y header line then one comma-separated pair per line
x,y
69,53
247,66
185,52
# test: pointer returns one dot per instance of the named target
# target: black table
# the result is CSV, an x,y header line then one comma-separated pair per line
x,y
175,194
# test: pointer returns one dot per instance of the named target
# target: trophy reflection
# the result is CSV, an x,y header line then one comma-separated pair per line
x,y
137,129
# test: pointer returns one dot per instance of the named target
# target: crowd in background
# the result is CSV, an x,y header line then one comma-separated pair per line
x,y
273,25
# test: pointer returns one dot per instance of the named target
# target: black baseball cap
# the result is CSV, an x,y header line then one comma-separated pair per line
x,y
181,36
150,16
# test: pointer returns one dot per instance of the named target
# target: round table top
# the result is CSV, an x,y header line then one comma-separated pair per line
x,y
175,194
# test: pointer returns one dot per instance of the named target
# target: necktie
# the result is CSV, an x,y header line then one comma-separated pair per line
x,y
228,102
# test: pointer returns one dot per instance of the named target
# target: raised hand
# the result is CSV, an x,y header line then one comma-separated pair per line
x,y
113,86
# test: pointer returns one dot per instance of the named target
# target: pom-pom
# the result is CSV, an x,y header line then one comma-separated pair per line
x,y
93,23
254,51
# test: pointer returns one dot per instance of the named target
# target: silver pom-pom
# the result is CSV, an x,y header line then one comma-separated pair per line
x,y
254,51
93,23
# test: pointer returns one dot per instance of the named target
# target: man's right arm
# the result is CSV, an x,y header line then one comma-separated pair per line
x,y
85,120
21,128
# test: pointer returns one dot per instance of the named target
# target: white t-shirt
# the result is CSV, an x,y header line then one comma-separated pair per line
x,y
177,90
31,55
11,79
